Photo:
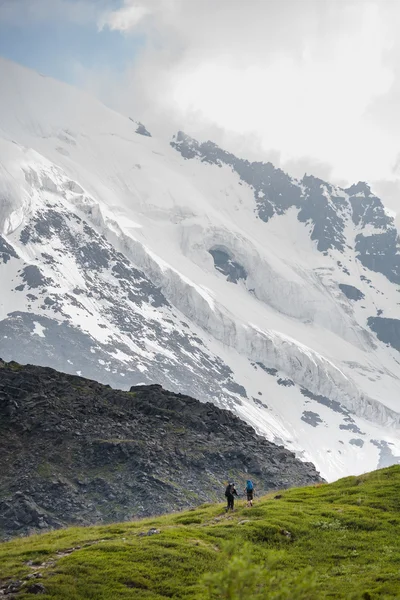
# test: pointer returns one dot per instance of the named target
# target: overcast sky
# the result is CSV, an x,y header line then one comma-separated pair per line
x,y
313,85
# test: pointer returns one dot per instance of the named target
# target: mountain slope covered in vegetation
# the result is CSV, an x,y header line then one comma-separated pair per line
x,y
335,540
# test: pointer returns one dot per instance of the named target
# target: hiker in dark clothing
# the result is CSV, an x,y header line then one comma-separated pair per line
x,y
230,494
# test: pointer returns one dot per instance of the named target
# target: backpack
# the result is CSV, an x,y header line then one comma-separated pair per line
x,y
228,490
249,485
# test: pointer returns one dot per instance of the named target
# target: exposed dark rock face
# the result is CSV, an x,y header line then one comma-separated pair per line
x,y
141,130
351,427
285,382
275,191
6,251
367,208
226,265
76,451
387,330
357,442
322,207
311,418
386,457
337,408
379,251
33,278
351,292
269,370
326,209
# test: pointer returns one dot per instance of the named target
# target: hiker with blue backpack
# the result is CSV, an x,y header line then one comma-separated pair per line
x,y
249,491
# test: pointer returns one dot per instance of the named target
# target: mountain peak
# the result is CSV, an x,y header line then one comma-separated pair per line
x,y
360,188
221,278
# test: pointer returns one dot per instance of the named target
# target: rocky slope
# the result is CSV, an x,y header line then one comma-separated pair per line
x,y
76,451
129,259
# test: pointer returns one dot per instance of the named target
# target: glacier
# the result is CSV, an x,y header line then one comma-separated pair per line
x,y
132,259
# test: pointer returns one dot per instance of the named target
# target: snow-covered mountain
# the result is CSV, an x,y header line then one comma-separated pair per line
x,y
131,259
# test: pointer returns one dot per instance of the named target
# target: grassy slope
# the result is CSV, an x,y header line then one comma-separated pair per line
x,y
344,543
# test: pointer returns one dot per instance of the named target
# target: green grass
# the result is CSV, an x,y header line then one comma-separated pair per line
x,y
327,541
45,470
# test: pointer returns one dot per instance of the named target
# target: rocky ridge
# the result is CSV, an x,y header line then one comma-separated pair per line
x,y
78,452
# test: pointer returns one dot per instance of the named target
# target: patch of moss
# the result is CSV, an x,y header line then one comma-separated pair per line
x,y
45,470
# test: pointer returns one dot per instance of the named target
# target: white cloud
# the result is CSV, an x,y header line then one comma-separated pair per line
x,y
125,18
300,79
389,190
131,13
309,84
